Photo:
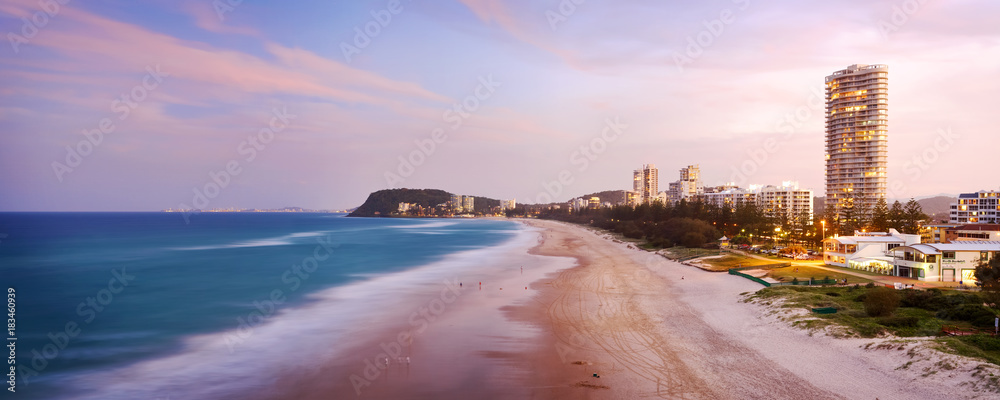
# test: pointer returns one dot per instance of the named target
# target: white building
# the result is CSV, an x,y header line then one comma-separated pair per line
x,y
976,208
785,200
578,203
404,207
468,204
866,251
646,183
944,262
687,187
456,203
508,204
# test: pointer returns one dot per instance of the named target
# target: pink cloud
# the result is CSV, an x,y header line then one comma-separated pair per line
x,y
101,45
205,17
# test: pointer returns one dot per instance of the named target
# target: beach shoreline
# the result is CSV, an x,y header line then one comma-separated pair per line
x,y
595,318
651,327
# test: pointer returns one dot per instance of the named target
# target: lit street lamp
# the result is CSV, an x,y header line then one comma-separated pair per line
x,y
823,233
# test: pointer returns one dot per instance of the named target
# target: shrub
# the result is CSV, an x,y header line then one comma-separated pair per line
x,y
881,302
630,230
795,281
899,322
661,242
977,314
693,239
870,285
931,300
833,294
985,342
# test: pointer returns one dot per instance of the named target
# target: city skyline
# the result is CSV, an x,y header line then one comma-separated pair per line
x,y
154,105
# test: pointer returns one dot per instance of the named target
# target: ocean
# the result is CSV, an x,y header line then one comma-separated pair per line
x,y
144,305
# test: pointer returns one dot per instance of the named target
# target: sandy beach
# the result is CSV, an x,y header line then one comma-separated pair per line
x,y
593,318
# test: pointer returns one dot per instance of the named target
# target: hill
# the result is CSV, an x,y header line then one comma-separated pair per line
x,y
937,207
384,202
610,196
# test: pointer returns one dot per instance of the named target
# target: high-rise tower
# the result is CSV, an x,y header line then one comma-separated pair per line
x,y
646,182
857,125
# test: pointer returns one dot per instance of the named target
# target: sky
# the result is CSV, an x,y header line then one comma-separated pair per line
x,y
147,105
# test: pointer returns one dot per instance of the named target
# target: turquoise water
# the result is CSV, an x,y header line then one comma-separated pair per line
x,y
107,300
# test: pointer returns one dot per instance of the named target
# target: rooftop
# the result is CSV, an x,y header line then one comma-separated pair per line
x,y
979,227
937,248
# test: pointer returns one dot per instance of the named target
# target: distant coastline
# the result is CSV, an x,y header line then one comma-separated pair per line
x,y
257,210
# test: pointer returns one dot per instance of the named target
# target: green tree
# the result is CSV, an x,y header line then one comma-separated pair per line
x,y
897,216
862,213
988,279
880,216
913,216
848,220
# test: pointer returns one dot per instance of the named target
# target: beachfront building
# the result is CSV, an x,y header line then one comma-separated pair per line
x,y
577,204
508,204
646,183
631,198
936,233
943,262
866,251
468,204
456,203
688,187
974,232
857,126
404,207
976,208
730,197
594,203
786,202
